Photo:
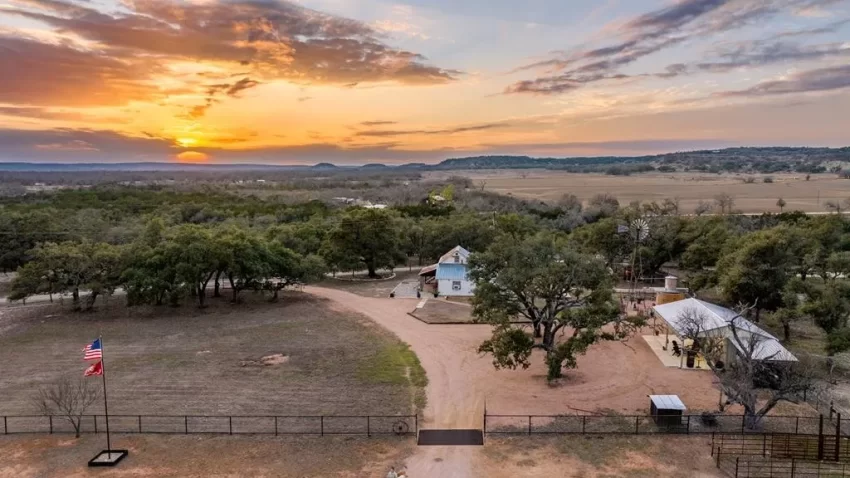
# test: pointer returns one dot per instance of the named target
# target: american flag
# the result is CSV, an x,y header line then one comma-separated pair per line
x,y
94,369
93,351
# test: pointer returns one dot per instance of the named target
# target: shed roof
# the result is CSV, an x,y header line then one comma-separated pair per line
x,y
428,269
667,402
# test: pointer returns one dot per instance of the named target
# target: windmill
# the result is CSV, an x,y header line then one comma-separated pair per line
x,y
638,231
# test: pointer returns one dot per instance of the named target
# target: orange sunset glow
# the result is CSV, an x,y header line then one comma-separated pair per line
x,y
376,81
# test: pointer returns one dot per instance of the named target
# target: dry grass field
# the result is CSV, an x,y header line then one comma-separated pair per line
x,y
688,188
174,361
151,456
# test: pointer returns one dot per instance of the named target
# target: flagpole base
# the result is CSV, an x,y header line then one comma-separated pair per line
x,y
108,457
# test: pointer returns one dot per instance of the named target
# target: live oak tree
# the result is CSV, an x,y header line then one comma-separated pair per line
x,y
559,290
368,237
755,270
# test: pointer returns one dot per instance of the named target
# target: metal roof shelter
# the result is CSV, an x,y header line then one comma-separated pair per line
x,y
666,410
718,321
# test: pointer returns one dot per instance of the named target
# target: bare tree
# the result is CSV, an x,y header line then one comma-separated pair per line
x,y
68,399
752,379
725,202
483,184
837,206
702,208
781,204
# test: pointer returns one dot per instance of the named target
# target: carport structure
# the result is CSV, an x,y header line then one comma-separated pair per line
x,y
692,321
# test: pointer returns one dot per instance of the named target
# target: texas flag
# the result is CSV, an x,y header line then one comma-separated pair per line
x,y
95,369
93,351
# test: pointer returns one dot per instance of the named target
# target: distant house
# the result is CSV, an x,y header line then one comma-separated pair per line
x,y
448,277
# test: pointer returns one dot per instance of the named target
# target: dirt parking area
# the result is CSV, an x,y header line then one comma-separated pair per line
x,y
209,456
371,288
295,357
441,311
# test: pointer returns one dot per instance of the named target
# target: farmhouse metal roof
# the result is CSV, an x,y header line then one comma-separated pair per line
x,y
449,256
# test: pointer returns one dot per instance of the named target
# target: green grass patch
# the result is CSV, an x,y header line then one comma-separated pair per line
x,y
393,364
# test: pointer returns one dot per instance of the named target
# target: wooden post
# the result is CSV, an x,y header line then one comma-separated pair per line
x,y
637,425
764,445
140,424
368,426
5,426
275,426
50,419
322,425
820,438
186,424
529,425
583,422
230,424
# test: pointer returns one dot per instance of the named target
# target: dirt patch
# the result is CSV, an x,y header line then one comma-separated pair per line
x,y
441,311
194,456
274,359
597,457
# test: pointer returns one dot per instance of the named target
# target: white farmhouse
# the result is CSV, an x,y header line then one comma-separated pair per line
x,y
449,274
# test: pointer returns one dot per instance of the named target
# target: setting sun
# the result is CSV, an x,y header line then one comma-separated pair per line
x,y
192,157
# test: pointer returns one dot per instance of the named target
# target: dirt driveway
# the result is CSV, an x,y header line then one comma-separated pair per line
x,y
611,376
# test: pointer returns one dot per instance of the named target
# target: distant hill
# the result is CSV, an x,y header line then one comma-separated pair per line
x,y
762,160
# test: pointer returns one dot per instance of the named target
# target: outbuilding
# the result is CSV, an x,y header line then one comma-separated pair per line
x,y
666,410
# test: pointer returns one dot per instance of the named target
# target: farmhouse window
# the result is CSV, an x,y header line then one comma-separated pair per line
x,y
456,285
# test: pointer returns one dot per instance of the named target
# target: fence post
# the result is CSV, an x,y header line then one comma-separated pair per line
x,y
5,426
529,425
737,460
793,467
230,424
275,426
764,445
797,426
368,426
743,422
820,439
688,429
322,425
583,421
50,419
140,424
637,424
186,423
837,437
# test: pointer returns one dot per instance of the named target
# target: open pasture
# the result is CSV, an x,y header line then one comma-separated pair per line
x,y
688,188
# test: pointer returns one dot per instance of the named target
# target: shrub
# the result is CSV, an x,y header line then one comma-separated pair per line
x,y
749,180
768,179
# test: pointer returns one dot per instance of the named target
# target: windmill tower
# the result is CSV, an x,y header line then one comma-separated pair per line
x,y
638,233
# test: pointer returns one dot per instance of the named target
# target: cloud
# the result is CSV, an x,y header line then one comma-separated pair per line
x,y
821,79
241,85
44,74
458,129
645,35
829,28
377,123
68,144
56,115
271,39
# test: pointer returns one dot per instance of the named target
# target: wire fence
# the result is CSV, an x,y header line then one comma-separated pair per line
x,y
321,425
649,424
761,467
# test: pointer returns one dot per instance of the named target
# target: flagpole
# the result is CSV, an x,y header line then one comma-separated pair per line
x,y
105,407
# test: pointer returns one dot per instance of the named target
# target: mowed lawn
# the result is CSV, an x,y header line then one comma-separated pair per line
x,y
205,362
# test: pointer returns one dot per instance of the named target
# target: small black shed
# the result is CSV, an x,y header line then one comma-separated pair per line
x,y
666,410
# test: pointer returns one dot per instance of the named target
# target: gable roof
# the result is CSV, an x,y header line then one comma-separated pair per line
x,y
449,256
719,319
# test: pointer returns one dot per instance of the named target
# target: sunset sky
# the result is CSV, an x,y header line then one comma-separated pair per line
x,y
359,81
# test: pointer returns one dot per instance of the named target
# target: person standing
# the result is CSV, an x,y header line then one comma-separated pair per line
x,y
392,473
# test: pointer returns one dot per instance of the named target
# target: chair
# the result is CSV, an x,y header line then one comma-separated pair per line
x,y
677,352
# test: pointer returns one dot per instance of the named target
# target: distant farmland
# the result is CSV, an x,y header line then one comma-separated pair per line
x,y
688,188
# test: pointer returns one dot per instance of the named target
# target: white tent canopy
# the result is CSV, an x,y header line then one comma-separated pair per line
x,y
718,321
